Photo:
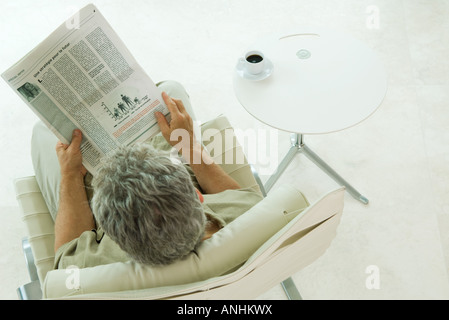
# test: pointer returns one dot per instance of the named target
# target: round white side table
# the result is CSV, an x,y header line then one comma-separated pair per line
x,y
322,81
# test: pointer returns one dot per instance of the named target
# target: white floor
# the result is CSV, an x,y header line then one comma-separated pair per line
x,y
398,158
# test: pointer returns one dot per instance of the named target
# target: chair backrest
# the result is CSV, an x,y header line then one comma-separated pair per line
x,y
297,244
220,255
291,249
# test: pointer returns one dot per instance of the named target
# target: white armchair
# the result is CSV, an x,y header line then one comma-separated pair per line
x,y
276,238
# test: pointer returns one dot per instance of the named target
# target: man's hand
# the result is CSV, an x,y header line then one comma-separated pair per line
x,y
70,157
179,131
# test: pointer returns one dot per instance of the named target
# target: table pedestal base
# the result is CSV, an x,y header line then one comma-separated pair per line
x,y
290,289
298,145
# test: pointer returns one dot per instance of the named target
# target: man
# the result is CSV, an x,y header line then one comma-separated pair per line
x,y
145,206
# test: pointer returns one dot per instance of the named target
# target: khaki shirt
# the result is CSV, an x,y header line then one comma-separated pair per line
x,y
94,247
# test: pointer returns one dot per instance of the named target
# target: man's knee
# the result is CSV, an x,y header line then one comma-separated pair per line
x,y
37,128
42,138
176,90
41,132
38,131
173,88
46,165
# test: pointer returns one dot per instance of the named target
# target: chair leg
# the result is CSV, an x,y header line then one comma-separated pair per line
x,y
29,259
290,289
31,290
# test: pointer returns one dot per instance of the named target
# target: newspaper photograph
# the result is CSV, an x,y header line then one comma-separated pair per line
x,y
83,76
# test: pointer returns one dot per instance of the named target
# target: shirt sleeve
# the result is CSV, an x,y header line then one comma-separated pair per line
x,y
226,206
92,248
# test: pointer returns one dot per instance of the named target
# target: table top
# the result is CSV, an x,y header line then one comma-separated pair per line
x,y
322,81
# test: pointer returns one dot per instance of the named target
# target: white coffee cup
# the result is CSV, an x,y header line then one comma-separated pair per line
x,y
254,62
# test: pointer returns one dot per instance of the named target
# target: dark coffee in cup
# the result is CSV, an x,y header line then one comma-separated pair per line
x,y
254,58
254,62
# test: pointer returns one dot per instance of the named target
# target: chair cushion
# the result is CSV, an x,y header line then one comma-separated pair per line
x,y
38,223
223,253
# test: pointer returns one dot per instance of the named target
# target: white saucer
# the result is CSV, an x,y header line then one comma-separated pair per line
x,y
241,71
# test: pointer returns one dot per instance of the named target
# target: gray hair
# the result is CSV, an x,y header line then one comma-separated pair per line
x,y
147,204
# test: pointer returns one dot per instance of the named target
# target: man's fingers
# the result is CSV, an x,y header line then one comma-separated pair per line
x,y
83,170
60,146
180,105
162,121
171,105
77,137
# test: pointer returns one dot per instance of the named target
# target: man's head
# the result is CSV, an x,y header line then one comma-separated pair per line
x,y
148,205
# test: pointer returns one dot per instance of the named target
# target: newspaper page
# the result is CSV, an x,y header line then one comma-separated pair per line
x,y
83,76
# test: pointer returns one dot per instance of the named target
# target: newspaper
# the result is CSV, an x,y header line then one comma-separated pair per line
x,y
83,76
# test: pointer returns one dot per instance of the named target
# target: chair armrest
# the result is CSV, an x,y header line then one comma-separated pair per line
x,y
38,223
218,137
